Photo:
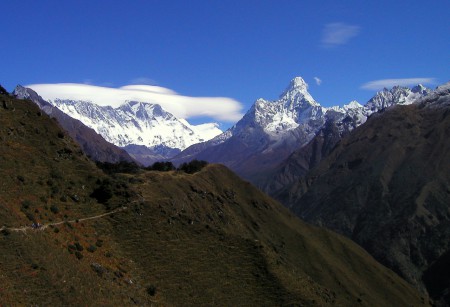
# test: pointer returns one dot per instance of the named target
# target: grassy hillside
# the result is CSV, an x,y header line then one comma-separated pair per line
x,y
179,239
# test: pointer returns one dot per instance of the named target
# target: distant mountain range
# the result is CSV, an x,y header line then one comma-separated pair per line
x,y
272,130
133,125
259,142
92,143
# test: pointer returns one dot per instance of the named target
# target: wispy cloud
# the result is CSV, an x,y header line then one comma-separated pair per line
x,y
217,108
143,80
388,83
338,33
318,81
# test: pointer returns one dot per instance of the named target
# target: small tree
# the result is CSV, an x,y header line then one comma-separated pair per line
x,y
103,192
162,166
193,166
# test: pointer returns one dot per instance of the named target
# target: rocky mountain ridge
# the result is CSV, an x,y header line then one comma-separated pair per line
x,y
272,130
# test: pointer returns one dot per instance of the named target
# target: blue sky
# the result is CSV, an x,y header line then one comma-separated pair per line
x,y
243,49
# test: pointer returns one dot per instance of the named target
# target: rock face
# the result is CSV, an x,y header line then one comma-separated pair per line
x,y
387,186
93,144
278,180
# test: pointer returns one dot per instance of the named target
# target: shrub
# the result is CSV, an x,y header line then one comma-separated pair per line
x,y
151,290
91,248
78,246
71,248
79,255
103,192
54,209
54,190
26,204
161,167
55,174
30,216
193,166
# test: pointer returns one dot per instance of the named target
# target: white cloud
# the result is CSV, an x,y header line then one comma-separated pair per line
x,y
318,81
217,108
338,33
389,83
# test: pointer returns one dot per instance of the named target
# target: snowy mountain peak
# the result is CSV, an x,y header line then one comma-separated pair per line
x,y
352,105
297,84
295,107
297,95
396,95
21,92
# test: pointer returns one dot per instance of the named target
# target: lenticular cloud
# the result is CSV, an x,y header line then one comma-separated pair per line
x,y
338,33
388,83
218,108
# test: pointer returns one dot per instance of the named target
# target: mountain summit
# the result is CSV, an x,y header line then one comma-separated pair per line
x,y
298,91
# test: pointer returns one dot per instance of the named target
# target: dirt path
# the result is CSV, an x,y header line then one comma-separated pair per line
x,y
45,226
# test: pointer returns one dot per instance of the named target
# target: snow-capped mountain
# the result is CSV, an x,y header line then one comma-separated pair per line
x,y
271,130
93,144
145,130
137,123
295,107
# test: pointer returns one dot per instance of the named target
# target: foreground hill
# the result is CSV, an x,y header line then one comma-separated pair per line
x,y
387,186
161,238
